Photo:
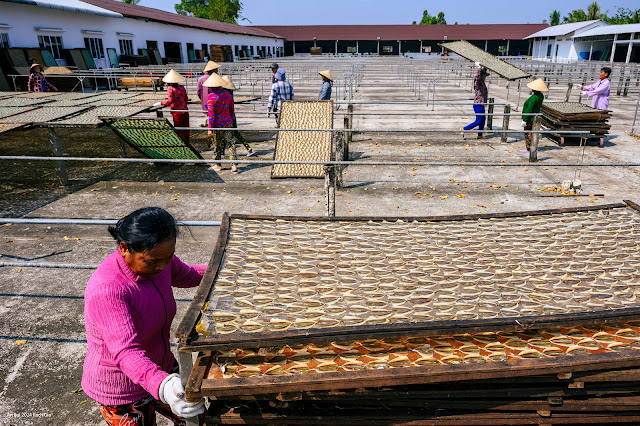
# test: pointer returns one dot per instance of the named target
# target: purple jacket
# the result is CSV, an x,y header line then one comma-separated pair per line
x,y
128,318
203,91
600,93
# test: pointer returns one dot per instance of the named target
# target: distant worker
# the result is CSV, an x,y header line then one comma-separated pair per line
x,y
230,87
274,70
177,101
532,106
325,90
280,91
37,82
220,110
203,91
480,99
599,91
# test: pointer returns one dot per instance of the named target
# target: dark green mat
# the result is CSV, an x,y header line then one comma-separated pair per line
x,y
153,137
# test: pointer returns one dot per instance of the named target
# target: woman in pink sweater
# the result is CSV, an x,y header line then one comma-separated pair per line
x,y
129,305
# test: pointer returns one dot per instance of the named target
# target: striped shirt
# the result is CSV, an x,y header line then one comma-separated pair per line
x,y
220,108
280,91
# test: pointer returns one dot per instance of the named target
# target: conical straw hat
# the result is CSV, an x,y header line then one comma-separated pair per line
x,y
214,80
173,77
211,66
229,84
35,64
327,74
538,85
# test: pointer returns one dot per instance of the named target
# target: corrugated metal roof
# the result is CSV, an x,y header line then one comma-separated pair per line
x,y
405,32
135,11
610,29
564,29
70,5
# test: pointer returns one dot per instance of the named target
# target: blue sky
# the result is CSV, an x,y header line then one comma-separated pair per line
x,y
377,12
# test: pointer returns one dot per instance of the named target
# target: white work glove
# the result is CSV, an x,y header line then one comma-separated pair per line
x,y
478,65
524,123
583,93
157,104
171,392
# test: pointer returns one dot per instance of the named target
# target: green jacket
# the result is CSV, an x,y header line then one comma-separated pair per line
x,y
532,105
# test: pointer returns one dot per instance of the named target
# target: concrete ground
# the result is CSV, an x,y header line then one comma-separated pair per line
x,y
42,339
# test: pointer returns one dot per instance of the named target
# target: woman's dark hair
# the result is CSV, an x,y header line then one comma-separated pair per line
x,y
607,70
145,228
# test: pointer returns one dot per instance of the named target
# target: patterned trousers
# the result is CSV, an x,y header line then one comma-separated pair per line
x,y
222,139
527,136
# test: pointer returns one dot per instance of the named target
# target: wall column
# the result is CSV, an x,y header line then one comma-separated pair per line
x,y
399,47
508,42
294,48
613,47
486,45
336,47
629,48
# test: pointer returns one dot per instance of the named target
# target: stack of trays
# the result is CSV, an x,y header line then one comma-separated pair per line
x,y
561,116
486,319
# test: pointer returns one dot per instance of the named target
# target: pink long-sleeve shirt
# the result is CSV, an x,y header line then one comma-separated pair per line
x,y
203,91
599,93
128,318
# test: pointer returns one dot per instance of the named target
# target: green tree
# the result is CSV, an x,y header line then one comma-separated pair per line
x,y
625,16
554,18
577,15
593,12
427,19
131,1
216,10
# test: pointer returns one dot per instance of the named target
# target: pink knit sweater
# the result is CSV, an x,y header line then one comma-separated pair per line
x,y
128,319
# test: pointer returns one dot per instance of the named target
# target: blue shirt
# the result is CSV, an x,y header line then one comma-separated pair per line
x,y
325,92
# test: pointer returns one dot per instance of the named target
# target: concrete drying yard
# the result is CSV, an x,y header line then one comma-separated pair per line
x,y
42,342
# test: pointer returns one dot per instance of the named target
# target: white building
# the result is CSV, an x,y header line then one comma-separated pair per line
x,y
589,40
556,43
621,42
105,27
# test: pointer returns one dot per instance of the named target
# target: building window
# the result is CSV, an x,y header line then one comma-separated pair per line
x,y
94,45
126,47
4,40
237,48
51,43
387,49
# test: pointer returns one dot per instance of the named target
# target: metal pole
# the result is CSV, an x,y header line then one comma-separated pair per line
x,y
338,155
535,138
566,98
635,116
490,114
350,115
57,151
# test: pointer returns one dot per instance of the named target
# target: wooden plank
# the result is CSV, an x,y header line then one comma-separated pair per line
x,y
415,375
188,323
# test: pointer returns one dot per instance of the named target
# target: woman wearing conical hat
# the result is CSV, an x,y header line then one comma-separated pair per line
x,y
202,90
220,110
37,82
325,90
532,106
177,101
230,87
